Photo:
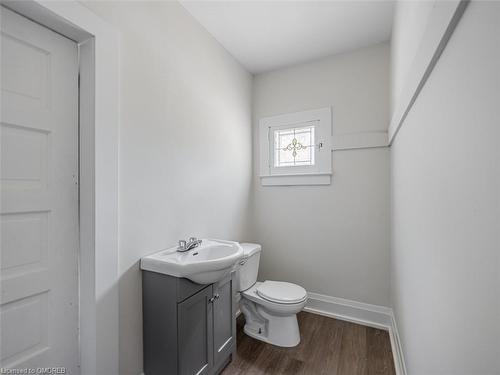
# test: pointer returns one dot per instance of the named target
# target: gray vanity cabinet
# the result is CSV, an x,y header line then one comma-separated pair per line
x,y
223,323
189,328
195,333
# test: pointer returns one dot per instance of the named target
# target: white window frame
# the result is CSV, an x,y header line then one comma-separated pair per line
x,y
318,174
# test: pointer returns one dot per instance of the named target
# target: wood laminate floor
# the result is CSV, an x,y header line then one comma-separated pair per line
x,y
328,346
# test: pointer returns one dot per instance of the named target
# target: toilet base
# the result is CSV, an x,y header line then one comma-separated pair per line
x,y
285,337
280,330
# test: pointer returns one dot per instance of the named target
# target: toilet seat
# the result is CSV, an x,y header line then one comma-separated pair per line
x,y
281,292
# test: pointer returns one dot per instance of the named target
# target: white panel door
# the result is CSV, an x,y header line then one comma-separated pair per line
x,y
39,196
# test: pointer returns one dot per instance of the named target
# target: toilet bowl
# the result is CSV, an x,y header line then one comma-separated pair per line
x,y
270,307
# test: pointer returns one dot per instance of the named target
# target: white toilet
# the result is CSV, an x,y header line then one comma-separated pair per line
x,y
270,307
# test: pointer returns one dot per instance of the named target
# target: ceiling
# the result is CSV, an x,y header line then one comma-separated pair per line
x,y
265,35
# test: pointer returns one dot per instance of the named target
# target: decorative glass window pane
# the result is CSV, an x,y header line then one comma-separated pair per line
x,y
294,147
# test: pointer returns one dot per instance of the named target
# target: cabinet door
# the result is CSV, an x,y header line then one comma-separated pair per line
x,y
195,333
223,319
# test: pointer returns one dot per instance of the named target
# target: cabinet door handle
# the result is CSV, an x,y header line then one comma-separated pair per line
x,y
211,300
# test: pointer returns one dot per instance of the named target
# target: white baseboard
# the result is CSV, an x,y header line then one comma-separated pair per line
x,y
397,350
352,311
380,317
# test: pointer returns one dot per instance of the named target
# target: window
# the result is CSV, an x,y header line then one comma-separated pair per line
x,y
295,148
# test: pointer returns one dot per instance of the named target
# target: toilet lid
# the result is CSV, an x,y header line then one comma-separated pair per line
x,y
281,292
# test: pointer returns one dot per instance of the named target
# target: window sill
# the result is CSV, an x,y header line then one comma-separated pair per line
x,y
296,179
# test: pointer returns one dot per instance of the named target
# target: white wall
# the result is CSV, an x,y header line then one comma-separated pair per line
x,y
446,206
332,240
185,144
410,22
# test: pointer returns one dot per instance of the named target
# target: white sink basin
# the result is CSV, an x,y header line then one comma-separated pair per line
x,y
205,264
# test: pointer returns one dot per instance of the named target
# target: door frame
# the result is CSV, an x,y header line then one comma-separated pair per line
x,y
98,169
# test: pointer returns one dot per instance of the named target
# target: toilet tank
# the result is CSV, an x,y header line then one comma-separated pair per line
x,y
248,268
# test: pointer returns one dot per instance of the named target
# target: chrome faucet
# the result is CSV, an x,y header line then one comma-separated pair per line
x,y
191,243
